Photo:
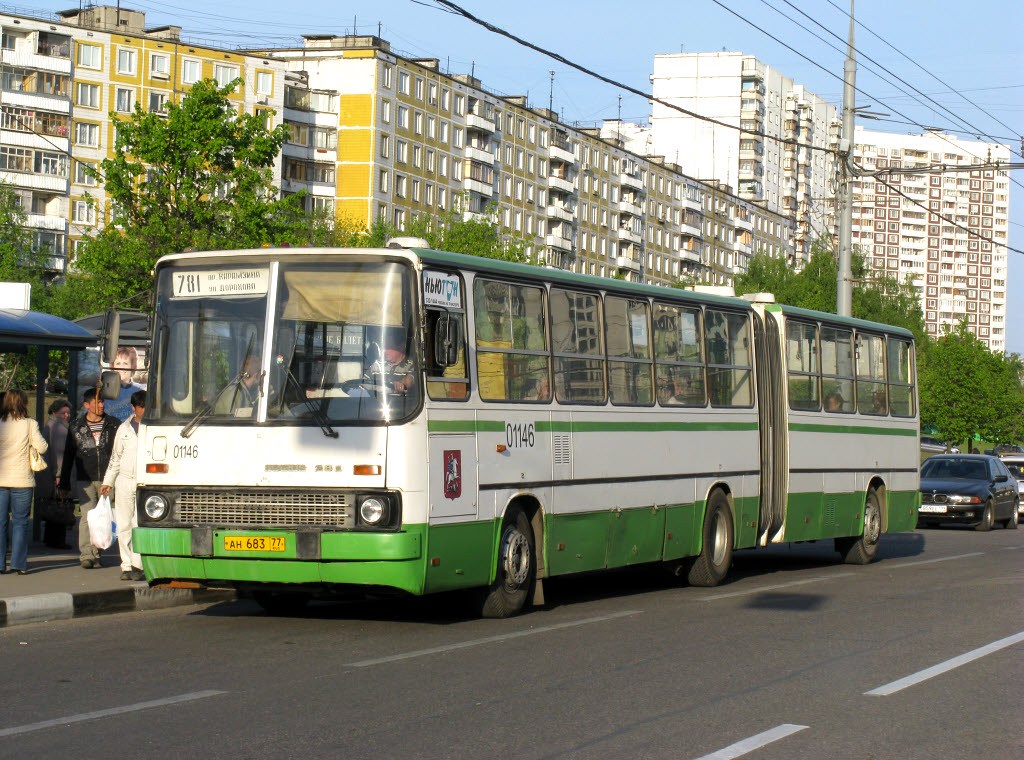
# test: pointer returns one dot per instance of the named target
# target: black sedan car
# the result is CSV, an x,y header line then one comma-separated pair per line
x,y
975,489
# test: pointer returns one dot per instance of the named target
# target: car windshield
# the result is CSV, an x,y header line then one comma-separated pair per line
x,y
962,469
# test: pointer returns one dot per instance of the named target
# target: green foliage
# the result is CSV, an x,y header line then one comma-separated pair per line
x,y
965,390
198,178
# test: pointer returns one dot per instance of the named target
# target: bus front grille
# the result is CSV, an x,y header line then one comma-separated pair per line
x,y
272,508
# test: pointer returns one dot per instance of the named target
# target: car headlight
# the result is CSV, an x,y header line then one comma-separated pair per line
x,y
373,510
156,507
956,499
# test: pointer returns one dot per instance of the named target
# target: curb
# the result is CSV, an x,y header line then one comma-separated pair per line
x,y
62,605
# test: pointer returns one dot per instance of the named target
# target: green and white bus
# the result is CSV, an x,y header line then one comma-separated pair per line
x,y
552,423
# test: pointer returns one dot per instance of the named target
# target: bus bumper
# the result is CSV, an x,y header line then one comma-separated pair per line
x,y
393,560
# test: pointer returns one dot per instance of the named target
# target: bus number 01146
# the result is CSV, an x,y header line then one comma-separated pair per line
x,y
519,435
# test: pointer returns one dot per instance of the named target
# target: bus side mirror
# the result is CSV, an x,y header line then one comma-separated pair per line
x,y
447,338
111,336
110,384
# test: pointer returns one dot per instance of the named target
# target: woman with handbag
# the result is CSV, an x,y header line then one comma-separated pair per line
x,y
21,450
58,513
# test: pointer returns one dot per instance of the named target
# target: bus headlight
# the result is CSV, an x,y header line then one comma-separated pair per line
x,y
156,507
373,510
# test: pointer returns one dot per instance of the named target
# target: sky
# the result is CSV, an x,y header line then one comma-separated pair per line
x,y
966,57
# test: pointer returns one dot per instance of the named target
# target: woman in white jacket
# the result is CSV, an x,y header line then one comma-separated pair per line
x,y
120,476
17,433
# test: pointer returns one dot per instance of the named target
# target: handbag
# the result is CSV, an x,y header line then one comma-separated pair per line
x,y
57,511
35,460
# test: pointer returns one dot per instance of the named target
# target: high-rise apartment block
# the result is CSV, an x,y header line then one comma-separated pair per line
x,y
60,79
780,160
943,222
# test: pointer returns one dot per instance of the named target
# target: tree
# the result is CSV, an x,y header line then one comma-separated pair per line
x,y
965,390
18,262
198,177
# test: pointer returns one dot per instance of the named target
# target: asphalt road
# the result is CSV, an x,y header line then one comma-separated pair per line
x,y
919,655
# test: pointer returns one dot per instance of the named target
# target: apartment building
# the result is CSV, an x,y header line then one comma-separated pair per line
x,y
944,224
413,140
61,77
780,160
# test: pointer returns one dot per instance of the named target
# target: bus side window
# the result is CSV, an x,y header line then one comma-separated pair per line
x,y
729,358
446,383
802,366
871,395
900,374
512,355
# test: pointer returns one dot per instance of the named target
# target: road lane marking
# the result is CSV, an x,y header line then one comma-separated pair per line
x,y
917,562
757,741
759,589
488,640
942,667
108,712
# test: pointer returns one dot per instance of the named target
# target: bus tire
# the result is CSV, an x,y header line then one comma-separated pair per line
x,y
712,564
517,569
862,549
281,603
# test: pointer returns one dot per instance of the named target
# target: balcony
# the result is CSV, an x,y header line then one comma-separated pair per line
x,y
561,185
558,243
561,152
629,263
46,222
473,121
691,230
630,207
631,180
36,61
565,213
627,234
686,254
476,186
479,154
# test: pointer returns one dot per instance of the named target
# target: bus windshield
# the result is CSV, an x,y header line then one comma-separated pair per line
x,y
338,350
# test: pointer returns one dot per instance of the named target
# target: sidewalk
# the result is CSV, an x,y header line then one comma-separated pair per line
x,y
56,588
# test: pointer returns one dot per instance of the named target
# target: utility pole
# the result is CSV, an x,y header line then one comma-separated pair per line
x,y
844,277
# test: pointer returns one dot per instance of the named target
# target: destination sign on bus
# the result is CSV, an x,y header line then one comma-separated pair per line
x,y
442,290
221,282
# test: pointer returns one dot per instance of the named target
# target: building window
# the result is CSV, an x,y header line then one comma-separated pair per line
x,y
403,82
83,213
87,134
124,99
191,70
88,95
125,61
224,75
264,83
90,56
158,102
81,175
159,65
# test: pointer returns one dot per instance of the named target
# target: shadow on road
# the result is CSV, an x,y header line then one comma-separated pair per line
x,y
457,607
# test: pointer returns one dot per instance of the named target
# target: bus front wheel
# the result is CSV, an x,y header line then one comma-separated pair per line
x,y
860,550
712,564
517,568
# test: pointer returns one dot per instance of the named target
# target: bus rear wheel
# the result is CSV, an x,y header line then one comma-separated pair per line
x,y
862,549
712,564
517,569
281,603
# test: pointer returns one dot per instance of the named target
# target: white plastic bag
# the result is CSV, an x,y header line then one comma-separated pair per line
x,y
101,524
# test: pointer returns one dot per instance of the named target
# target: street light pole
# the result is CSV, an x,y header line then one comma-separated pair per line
x,y
844,277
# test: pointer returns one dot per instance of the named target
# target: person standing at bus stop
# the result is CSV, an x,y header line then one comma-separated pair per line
x,y
18,432
120,476
89,445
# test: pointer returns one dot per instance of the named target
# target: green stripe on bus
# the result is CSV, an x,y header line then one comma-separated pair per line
x,y
801,427
565,426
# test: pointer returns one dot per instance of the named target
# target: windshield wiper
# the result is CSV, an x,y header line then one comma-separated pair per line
x,y
207,410
315,409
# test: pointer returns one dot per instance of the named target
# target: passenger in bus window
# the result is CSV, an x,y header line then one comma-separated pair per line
x,y
833,402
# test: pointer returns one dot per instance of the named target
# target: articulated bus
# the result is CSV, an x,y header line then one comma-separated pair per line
x,y
547,423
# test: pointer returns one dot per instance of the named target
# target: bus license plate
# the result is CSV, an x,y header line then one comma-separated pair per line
x,y
254,543
937,508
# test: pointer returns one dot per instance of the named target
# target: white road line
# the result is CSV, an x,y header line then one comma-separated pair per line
x,y
757,741
488,640
942,667
759,589
108,712
917,562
